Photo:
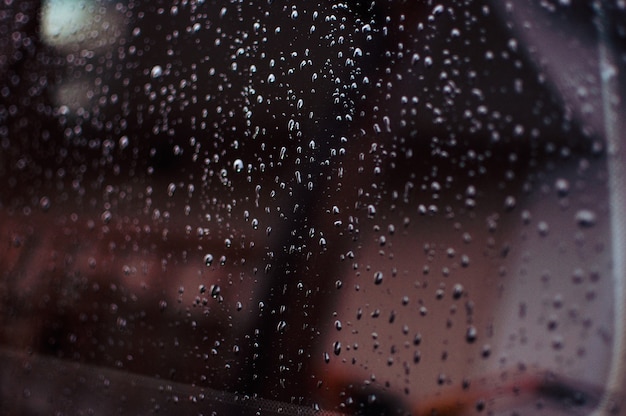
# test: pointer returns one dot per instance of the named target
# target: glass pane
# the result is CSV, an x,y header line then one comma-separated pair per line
x,y
331,208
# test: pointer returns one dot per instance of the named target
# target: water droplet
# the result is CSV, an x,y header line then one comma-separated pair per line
x,y
543,228
337,347
471,334
208,259
281,326
156,71
44,203
106,217
378,278
586,218
562,186
171,188
457,291
486,351
509,203
238,165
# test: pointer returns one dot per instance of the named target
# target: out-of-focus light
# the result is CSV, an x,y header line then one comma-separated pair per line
x,y
66,21
88,24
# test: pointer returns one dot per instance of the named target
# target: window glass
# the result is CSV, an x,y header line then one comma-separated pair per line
x,y
266,207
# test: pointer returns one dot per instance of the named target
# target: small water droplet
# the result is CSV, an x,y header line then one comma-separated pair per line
x,y
562,187
44,203
457,291
543,228
471,334
586,218
106,217
378,278
208,259
337,347
486,351
509,203
123,142
281,326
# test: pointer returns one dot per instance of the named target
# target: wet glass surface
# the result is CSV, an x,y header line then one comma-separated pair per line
x,y
329,208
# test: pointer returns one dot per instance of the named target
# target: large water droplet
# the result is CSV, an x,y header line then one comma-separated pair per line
x,y
156,71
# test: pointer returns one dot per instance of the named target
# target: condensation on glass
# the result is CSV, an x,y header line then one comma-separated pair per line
x,y
267,207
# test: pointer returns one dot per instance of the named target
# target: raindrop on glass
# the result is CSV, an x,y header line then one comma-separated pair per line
x,y
156,71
